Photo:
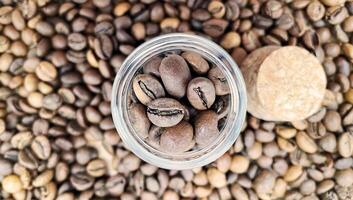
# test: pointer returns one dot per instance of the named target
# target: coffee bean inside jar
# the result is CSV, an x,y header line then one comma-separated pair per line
x,y
179,102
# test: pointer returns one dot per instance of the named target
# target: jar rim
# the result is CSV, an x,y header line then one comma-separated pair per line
x,y
119,112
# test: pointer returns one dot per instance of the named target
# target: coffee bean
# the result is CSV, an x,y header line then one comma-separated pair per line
x,y
336,14
273,9
206,128
165,112
27,159
43,178
139,120
214,27
175,75
217,9
76,41
11,184
222,106
41,147
154,136
147,88
115,185
96,168
46,71
5,167
197,63
345,145
103,46
177,139
81,181
152,66
201,93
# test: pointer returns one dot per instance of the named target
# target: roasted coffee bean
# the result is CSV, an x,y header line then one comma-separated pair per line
x,y
197,63
76,41
222,106
214,27
103,46
177,139
206,128
219,81
138,119
201,93
165,112
147,88
175,75
152,66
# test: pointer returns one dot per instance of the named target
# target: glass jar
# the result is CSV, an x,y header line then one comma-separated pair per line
x,y
123,84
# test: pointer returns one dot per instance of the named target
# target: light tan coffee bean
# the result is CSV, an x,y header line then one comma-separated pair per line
x,y
293,172
255,151
96,168
345,145
48,191
280,188
325,186
35,99
216,178
344,177
240,164
11,184
21,139
5,61
43,178
46,71
286,132
41,147
306,143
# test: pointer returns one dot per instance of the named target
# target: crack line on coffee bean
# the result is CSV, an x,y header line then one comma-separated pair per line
x,y
145,89
164,112
201,95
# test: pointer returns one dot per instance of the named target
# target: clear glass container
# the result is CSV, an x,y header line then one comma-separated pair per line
x,y
123,84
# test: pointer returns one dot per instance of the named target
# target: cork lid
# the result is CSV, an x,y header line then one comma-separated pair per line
x,y
290,84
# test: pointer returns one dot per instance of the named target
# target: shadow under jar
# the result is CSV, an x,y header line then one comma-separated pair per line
x,y
162,46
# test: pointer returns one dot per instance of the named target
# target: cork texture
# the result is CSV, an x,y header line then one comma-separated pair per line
x,y
283,83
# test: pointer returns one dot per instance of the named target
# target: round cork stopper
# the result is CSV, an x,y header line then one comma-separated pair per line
x,y
283,83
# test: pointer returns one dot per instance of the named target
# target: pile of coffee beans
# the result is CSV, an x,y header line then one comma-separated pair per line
x,y
58,60
181,98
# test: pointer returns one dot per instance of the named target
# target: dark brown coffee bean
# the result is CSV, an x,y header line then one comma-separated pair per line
x,y
103,46
219,80
311,39
139,120
175,75
177,139
147,88
104,27
206,128
92,77
76,41
201,15
201,93
197,63
165,112
152,66
222,106
214,27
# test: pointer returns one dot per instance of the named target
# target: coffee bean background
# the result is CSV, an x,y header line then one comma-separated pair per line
x,y
57,64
